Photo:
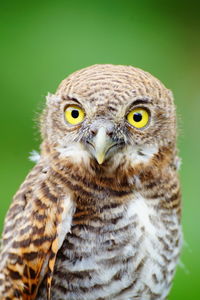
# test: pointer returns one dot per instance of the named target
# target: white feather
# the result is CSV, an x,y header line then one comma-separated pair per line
x,y
65,226
34,156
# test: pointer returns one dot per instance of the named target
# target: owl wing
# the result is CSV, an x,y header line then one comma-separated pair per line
x,y
34,230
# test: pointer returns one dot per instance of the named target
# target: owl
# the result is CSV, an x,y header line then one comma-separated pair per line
x,y
98,217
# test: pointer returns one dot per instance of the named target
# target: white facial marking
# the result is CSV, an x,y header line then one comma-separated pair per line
x,y
142,154
76,151
134,155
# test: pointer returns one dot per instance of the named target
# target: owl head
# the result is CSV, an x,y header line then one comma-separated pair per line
x,y
107,115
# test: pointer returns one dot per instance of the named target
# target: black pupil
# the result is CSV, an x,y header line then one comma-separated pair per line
x,y
75,113
137,117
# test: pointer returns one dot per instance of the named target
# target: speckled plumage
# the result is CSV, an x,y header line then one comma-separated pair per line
x,y
80,230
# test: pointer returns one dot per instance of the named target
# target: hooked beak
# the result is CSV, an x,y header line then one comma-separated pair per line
x,y
101,143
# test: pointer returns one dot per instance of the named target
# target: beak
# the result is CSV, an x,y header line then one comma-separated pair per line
x,y
101,143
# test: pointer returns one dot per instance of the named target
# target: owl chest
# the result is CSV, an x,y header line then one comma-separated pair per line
x,y
115,256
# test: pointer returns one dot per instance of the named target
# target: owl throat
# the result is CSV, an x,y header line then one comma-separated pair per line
x,y
118,176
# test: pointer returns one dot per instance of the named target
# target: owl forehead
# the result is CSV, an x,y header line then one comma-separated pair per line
x,y
113,86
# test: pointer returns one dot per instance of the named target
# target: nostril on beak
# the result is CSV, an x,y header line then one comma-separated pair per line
x,y
109,132
98,124
93,132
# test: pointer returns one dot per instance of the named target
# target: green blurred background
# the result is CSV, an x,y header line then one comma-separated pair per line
x,y
44,41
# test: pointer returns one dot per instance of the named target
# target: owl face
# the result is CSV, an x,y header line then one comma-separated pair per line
x,y
107,114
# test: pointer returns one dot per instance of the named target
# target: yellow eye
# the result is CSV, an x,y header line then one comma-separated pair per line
x,y
74,114
138,117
